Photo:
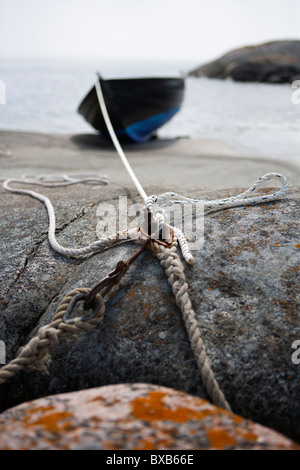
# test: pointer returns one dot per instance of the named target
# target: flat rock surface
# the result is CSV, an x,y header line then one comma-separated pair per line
x,y
172,164
244,288
131,417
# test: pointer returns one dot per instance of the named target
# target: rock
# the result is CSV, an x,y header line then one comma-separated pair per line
x,y
272,62
244,289
275,73
131,417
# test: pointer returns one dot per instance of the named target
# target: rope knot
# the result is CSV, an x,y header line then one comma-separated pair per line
x,y
150,200
155,228
97,306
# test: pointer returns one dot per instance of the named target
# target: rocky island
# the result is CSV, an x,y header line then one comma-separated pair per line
x,y
271,62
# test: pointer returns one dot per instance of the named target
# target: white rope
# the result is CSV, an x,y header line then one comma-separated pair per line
x,y
168,257
165,199
57,181
116,142
243,199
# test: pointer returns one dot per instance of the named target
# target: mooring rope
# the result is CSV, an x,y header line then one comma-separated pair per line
x,y
243,199
169,198
170,261
65,180
36,351
116,142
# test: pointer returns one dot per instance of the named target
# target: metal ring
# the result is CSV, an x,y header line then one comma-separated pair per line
x,y
95,310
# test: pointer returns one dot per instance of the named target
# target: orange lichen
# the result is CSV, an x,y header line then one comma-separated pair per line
x,y
55,422
248,246
150,444
237,419
108,445
145,444
40,409
220,439
153,408
147,308
248,436
289,308
132,292
298,245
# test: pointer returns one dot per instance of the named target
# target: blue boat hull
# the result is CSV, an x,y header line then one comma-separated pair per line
x,y
137,107
143,131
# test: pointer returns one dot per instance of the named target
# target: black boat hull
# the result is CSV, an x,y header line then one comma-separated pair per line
x,y
137,107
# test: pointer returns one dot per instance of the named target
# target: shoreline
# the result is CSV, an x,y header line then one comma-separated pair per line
x,y
180,164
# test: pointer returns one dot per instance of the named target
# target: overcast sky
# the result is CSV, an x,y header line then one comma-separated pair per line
x,y
195,30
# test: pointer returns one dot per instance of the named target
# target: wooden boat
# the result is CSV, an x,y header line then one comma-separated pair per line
x,y
137,106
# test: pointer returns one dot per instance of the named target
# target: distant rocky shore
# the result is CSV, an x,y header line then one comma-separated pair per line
x,y
271,62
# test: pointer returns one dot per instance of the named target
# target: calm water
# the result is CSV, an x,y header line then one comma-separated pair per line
x,y
258,118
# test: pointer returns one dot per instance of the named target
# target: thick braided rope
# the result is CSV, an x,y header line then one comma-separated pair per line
x,y
94,247
36,350
169,259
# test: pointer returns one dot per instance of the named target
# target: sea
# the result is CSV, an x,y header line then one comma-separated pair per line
x,y
261,120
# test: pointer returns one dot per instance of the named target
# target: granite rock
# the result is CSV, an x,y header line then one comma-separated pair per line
x,y
272,62
131,417
244,288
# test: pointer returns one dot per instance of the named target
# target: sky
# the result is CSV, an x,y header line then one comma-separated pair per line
x,y
192,30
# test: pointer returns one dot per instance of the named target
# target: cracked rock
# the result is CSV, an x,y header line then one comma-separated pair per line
x,y
244,288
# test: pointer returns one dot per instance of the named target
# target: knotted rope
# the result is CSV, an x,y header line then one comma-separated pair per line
x,y
36,351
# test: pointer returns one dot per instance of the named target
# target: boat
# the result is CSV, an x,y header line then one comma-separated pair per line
x,y
137,107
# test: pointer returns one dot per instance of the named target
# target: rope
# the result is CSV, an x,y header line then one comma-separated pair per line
x,y
170,261
36,351
116,142
48,336
243,199
55,181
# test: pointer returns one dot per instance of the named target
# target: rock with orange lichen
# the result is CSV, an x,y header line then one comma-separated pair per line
x,y
244,288
131,417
